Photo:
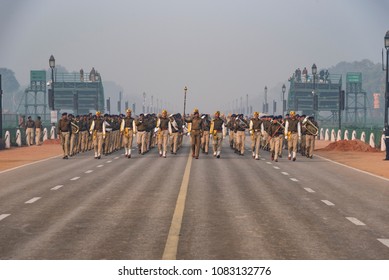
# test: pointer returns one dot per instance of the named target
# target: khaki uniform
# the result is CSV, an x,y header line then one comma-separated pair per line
x,y
83,135
310,141
64,133
292,125
241,126
30,127
217,131
255,132
163,135
195,134
127,129
141,136
97,130
38,132
205,125
276,133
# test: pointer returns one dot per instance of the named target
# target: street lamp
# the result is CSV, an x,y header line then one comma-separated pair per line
x,y
387,78
51,95
386,127
266,106
283,98
314,71
185,89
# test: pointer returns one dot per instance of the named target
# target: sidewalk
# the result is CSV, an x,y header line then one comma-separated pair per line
x,y
366,161
17,156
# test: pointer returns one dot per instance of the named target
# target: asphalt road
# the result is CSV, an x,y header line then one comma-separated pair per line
x,y
234,207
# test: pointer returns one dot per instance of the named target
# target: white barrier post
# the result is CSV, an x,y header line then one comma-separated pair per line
x,y
339,136
372,140
18,138
52,132
44,134
354,135
383,146
345,135
327,137
7,138
363,137
333,136
321,134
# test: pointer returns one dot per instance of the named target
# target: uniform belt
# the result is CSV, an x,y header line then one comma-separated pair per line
x,y
64,130
140,130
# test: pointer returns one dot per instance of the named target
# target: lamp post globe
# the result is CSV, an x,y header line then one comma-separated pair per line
x,y
283,98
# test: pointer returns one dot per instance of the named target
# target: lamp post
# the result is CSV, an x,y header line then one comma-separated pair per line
x,y
52,66
1,111
185,89
314,71
266,106
386,127
387,79
283,99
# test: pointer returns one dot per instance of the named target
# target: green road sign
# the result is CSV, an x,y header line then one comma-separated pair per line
x,y
37,75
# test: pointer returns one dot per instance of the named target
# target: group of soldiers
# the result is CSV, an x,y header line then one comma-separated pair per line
x,y
106,134
33,130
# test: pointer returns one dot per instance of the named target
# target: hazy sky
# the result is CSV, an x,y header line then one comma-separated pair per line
x,y
220,49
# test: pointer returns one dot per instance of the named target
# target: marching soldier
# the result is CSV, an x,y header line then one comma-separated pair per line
x,y
127,129
83,134
163,132
240,125
141,126
231,128
310,138
30,126
275,136
205,126
64,130
38,131
74,135
293,134
217,131
97,129
174,132
255,132
195,132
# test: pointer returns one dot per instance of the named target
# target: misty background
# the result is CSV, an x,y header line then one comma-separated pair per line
x,y
222,50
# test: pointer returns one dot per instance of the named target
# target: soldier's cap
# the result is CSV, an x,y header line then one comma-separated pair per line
x,y
233,115
141,115
77,116
195,110
164,111
128,111
217,113
292,113
98,113
297,115
29,117
279,117
39,117
106,115
64,114
256,114
303,116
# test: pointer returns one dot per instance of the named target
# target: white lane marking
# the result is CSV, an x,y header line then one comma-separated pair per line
x,y
3,216
109,161
364,172
101,165
329,203
38,161
294,179
56,187
88,171
276,167
355,221
171,246
75,178
285,173
268,162
116,157
309,190
384,241
32,200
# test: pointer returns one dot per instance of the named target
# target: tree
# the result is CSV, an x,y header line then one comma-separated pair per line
x,y
9,82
